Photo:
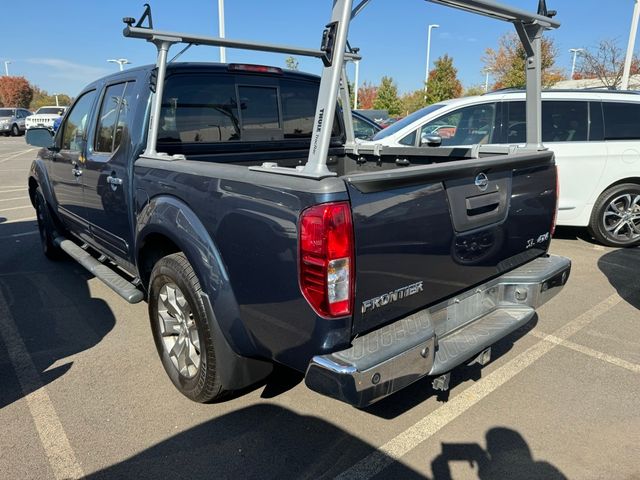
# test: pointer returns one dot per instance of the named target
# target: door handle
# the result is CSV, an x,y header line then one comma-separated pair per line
x,y
114,181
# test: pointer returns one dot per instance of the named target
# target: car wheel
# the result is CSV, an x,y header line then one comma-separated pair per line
x,y
15,131
181,329
615,220
46,229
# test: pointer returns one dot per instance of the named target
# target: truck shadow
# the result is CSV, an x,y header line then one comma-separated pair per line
x,y
507,455
50,307
621,269
257,442
573,233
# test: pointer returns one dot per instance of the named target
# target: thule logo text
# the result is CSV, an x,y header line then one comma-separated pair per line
x,y
387,298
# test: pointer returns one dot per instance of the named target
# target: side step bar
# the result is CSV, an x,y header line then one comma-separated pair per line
x,y
111,278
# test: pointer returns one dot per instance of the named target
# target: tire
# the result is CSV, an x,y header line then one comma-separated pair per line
x,y
46,228
15,131
181,329
615,219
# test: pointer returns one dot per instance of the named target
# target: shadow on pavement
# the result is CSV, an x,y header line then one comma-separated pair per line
x,y
258,442
573,233
50,305
507,456
621,268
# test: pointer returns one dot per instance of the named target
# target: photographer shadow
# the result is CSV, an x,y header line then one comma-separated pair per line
x,y
507,456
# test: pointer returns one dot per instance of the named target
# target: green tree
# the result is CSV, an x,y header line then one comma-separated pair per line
x,y
412,101
474,90
42,98
443,81
291,62
15,92
507,63
387,97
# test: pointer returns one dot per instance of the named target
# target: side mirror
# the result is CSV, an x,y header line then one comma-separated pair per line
x,y
39,137
432,140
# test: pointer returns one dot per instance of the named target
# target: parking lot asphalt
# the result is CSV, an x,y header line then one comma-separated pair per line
x,y
83,394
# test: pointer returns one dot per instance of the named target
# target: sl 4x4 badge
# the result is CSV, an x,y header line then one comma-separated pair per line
x,y
387,298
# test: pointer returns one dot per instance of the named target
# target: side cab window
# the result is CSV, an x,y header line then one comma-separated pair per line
x,y
113,119
74,130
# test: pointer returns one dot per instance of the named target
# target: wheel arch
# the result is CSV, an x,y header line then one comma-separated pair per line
x,y
168,225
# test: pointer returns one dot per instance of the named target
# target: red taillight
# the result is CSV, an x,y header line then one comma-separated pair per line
x,y
555,214
326,258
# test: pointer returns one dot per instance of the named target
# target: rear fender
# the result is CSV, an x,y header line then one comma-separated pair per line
x,y
172,218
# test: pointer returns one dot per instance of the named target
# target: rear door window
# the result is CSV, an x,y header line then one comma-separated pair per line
x,y
562,121
621,120
113,120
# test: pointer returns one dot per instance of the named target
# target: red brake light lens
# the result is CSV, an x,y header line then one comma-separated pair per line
x,y
243,67
326,258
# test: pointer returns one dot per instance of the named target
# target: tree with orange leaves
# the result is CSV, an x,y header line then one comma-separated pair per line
x,y
15,92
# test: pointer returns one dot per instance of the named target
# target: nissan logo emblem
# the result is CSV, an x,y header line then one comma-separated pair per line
x,y
482,182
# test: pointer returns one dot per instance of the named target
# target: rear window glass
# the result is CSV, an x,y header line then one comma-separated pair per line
x,y
621,121
48,111
213,108
562,121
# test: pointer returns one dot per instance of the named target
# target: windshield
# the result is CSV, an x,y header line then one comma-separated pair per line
x,y
49,110
6,112
408,120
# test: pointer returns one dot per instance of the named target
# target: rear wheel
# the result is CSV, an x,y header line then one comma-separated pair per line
x,y
46,228
615,220
181,329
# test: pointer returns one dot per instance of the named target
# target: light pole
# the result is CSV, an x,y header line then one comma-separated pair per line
x,y
120,61
355,95
6,67
223,51
426,75
632,40
486,79
575,52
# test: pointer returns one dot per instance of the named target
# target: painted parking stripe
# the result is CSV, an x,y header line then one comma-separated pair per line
x,y
18,235
14,189
13,199
406,441
15,208
605,357
16,155
54,440
16,220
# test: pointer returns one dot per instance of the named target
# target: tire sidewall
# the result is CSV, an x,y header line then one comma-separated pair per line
x,y
167,271
44,226
598,221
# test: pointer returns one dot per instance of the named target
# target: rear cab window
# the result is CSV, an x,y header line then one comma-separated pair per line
x,y
227,110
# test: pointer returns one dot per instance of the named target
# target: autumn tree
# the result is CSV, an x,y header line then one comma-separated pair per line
x,y
367,94
42,98
443,81
291,62
387,97
15,92
604,62
508,63
412,101
474,90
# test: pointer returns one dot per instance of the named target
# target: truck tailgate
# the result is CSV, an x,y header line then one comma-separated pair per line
x,y
424,234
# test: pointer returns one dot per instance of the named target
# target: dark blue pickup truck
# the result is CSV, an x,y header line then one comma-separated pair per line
x,y
188,185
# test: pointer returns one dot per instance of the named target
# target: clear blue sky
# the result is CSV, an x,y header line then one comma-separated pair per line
x,y
64,45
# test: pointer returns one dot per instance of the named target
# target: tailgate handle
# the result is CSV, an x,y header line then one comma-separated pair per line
x,y
482,203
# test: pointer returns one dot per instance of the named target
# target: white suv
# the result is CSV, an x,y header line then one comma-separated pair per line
x,y
45,117
595,135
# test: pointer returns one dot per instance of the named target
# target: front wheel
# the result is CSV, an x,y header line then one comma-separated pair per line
x,y
46,228
181,329
615,220
15,131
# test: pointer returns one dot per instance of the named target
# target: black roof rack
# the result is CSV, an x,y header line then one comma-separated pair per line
x,y
602,89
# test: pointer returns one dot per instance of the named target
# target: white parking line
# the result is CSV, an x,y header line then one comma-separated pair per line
x,y
406,441
618,362
12,199
15,208
16,155
16,189
17,235
54,440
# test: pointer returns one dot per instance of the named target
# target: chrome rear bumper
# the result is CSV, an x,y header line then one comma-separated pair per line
x,y
435,340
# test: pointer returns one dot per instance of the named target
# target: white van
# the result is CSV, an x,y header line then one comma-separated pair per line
x,y
595,135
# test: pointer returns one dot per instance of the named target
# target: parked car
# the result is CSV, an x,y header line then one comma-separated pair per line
x,y
12,121
363,127
595,135
45,117
259,235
